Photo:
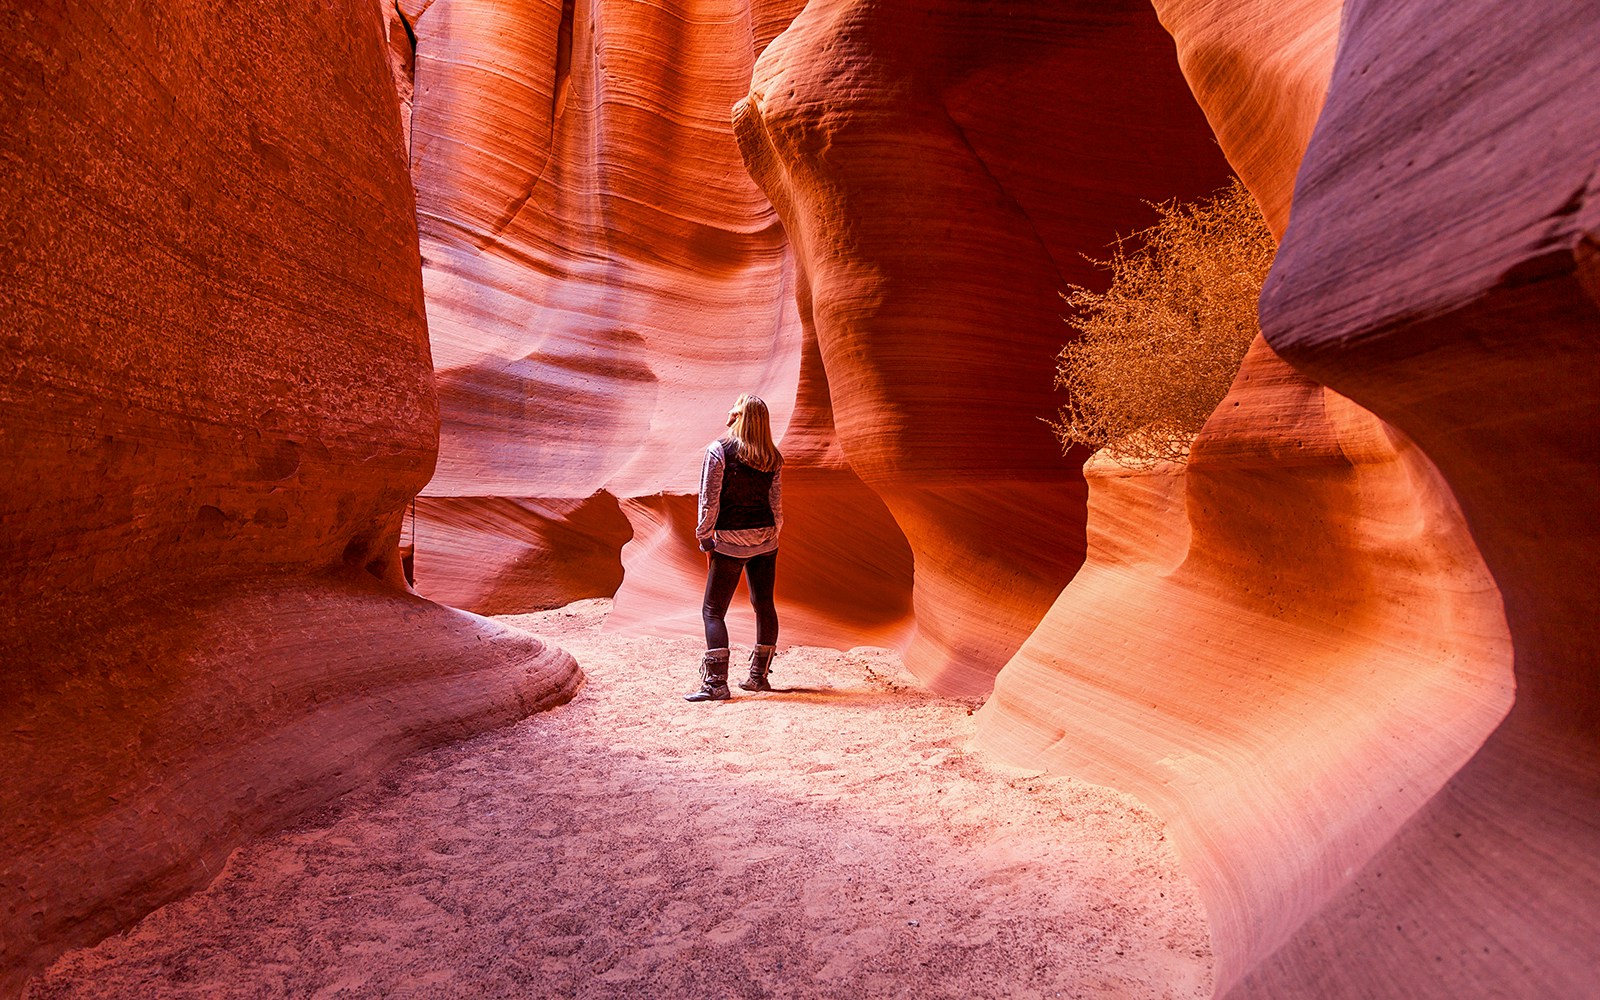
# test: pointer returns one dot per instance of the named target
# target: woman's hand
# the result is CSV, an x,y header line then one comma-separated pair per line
x,y
708,544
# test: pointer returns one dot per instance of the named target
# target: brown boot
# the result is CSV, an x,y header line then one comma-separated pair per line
x,y
760,665
713,677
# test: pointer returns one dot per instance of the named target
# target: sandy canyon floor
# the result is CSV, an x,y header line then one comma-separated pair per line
x,y
832,838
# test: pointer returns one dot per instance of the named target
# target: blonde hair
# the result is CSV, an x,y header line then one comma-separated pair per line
x,y
751,427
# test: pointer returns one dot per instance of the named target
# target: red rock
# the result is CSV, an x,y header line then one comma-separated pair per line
x,y
1441,269
502,556
1260,71
1300,662
216,400
593,315
216,405
589,348
1251,643
603,278
939,170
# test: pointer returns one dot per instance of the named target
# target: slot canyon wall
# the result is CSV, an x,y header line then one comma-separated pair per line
x,y
216,401
603,280
1289,647
941,170
1346,651
1442,270
593,315
1298,648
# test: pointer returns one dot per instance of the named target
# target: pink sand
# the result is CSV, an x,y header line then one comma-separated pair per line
x,y
833,838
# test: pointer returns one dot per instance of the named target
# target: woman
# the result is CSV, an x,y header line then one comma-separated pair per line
x,y
741,513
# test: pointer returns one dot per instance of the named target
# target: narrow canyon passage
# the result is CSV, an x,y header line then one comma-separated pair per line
x,y
832,838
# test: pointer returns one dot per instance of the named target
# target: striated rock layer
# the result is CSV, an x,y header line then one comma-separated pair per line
x,y
939,171
216,400
1285,651
1442,270
1298,649
1259,71
600,273
603,279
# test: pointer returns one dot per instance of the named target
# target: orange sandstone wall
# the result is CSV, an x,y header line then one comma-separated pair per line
x,y
599,272
940,170
1298,648
1259,71
1285,650
603,276
603,279
216,401
1441,268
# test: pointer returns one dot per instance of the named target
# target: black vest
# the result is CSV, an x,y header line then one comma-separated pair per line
x,y
744,500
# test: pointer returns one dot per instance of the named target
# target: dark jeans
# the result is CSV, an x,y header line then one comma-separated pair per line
x,y
722,578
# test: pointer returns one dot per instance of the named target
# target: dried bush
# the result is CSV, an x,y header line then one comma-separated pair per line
x,y
1158,350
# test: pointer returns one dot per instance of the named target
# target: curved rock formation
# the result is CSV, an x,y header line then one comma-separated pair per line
x,y
499,555
602,277
1300,649
603,280
216,400
1259,71
1442,270
1285,651
592,314
599,271
1300,666
939,171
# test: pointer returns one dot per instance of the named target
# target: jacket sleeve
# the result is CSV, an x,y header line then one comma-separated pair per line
x,y
710,493
775,499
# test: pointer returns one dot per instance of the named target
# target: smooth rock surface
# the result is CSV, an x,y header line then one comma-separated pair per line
x,y
1289,648
603,280
1285,674
1260,72
1350,663
1441,269
215,400
589,337
940,170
